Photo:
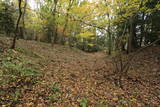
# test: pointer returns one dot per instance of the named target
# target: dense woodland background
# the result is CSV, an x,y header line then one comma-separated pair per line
x,y
89,25
41,62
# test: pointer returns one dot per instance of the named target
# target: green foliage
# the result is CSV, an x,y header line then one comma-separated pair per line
x,y
16,67
55,89
16,71
16,96
84,102
54,97
86,35
6,18
87,47
86,41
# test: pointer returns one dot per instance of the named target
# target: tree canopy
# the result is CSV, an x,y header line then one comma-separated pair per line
x,y
119,24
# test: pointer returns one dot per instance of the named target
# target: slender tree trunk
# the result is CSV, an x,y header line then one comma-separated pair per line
x,y
66,19
110,38
142,30
55,36
110,46
55,25
23,21
17,25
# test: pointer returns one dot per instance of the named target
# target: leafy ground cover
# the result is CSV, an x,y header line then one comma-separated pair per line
x,y
36,74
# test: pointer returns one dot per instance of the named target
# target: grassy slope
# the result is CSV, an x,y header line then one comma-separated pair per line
x,y
65,77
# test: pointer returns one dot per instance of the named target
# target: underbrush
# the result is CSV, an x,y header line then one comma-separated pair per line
x,y
16,71
138,74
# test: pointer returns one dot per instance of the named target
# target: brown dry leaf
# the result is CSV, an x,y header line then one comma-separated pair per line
x,y
29,104
115,99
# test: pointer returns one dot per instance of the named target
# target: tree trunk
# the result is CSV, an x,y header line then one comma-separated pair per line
x,y
54,35
17,25
132,36
110,38
66,18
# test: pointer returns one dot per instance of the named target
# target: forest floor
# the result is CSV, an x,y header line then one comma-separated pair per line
x,y
38,75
